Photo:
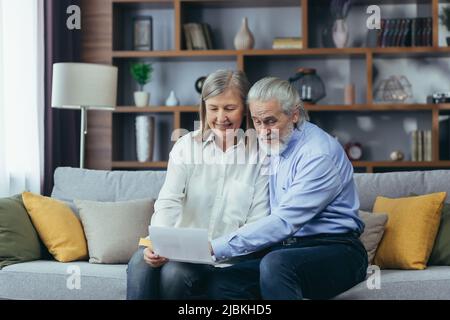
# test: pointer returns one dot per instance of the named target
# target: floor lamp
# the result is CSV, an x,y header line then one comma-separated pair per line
x,y
84,86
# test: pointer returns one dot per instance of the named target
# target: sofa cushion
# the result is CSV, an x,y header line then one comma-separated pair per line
x,y
440,256
373,231
400,184
102,185
432,283
48,280
19,241
57,226
410,230
113,229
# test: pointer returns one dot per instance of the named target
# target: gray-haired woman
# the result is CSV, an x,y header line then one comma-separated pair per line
x,y
213,181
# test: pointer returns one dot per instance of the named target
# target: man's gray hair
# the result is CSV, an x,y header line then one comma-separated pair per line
x,y
272,88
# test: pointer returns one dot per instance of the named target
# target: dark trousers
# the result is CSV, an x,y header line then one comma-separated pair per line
x,y
174,280
316,267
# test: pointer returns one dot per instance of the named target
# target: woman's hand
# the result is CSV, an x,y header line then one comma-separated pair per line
x,y
153,259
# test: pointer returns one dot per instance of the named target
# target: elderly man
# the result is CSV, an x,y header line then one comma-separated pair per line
x,y
312,233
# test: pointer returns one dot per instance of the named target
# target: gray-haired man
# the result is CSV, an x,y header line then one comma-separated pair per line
x,y
312,233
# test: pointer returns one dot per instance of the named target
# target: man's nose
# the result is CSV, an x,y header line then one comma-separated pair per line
x,y
266,130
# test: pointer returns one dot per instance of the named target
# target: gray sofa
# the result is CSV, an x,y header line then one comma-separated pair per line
x,y
48,279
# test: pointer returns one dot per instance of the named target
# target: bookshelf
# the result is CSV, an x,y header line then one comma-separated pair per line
x,y
106,30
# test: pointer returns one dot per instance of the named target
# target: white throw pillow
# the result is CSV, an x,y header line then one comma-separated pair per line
x,y
113,229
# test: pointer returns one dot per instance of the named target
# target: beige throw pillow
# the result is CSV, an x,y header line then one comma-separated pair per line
x,y
113,229
373,232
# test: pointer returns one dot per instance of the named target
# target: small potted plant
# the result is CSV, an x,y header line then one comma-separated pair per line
x,y
444,17
339,10
142,73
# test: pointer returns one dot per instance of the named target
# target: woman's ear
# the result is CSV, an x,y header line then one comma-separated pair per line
x,y
296,116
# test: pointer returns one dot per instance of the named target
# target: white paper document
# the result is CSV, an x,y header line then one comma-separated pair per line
x,y
182,244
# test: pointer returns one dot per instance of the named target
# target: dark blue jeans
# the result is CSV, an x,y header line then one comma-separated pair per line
x,y
316,267
174,280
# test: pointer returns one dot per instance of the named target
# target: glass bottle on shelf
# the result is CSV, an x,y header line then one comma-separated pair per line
x,y
309,85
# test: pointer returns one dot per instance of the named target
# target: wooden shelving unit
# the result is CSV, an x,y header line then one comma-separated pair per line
x,y
138,165
102,43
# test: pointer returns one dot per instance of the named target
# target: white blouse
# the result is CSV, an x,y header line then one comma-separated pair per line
x,y
211,189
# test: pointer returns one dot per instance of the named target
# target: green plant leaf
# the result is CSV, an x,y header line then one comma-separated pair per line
x,y
141,72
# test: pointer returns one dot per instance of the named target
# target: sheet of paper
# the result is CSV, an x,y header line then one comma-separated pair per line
x,y
181,244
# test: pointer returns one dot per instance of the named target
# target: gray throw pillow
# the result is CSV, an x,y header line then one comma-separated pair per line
x,y
19,241
113,229
373,232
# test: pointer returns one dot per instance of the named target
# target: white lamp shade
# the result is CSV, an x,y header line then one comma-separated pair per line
x,y
84,84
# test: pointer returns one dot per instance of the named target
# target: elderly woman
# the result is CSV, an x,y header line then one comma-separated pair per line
x,y
213,181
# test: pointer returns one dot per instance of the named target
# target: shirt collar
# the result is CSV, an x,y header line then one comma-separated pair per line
x,y
210,138
296,135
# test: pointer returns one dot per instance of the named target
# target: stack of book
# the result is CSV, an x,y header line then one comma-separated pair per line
x,y
421,145
410,32
287,43
198,36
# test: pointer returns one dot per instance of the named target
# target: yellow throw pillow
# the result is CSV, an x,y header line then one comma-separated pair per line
x,y
410,230
58,227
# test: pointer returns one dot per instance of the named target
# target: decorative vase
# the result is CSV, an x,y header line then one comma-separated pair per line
x,y
145,135
244,38
141,98
309,85
172,100
340,33
199,84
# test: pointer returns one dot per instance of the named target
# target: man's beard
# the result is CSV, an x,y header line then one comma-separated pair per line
x,y
276,145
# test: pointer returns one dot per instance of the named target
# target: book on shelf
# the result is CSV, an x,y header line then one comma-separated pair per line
x,y
187,37
428,146
198,36
444,137
287,43
421,145
407,32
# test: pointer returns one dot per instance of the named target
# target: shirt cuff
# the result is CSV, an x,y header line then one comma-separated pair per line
x,y
221,248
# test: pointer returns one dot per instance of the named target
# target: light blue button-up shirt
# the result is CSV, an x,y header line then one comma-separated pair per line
x,y
312,191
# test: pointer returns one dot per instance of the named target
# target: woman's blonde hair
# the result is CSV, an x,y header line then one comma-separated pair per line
x,y
217,83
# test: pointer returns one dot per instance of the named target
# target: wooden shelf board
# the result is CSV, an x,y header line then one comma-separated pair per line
x,y
242,3
155,109
377,107
144,4
412,164
173,53
261,3
142,1
391,51
310,51
138,165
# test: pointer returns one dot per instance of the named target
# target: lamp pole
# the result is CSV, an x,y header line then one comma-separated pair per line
x,y
83,133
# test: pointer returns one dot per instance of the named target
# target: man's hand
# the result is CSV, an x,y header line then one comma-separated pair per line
x,y
153,259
